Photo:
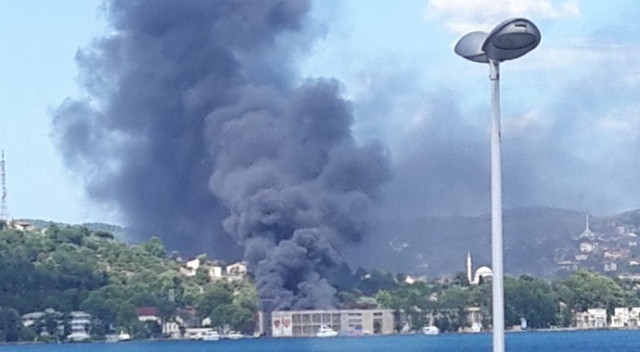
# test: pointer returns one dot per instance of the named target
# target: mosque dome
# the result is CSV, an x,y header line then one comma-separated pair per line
x,y
483,272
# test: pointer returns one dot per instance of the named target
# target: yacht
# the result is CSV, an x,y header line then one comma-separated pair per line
x,y
430,330
211,336
123,336
232,335
78,337
326,331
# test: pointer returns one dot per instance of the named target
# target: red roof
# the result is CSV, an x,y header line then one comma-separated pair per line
x,y
148,311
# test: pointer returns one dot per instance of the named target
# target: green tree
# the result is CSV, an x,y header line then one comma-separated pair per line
x,y
214,295
10,325
532,299
586,289
155,247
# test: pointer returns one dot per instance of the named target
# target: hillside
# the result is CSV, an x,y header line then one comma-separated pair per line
x,y
535,240
63,269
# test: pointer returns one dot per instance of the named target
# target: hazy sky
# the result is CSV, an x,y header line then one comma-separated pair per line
x,y
570,108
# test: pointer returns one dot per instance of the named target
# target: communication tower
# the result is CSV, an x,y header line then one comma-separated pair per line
x,y
4,213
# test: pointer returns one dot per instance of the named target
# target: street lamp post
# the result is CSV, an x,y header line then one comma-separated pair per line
x,y
509,40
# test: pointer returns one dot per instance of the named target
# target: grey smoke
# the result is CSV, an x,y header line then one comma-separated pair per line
x,y
195,129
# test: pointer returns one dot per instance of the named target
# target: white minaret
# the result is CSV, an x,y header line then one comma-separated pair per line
x,y
469,268
587,229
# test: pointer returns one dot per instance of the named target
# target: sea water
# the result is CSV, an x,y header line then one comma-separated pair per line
x,y
579,341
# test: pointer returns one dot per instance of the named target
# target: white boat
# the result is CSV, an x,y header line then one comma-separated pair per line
x,y
111,338
232,335
78,337
211,336
123,336
326,331
430,330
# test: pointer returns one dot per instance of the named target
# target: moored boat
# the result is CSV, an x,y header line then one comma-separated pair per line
x,y
326,331
430,330
211,336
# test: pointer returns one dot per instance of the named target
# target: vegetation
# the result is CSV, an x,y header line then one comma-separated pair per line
x,y
64,269
541,302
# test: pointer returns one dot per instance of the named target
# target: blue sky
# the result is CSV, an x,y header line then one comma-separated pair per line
x,y
395,61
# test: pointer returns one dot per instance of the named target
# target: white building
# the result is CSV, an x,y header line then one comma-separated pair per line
x,y
610,267
80,324
620,318
31,318
215,273
634,317
237,271
587,247
595,318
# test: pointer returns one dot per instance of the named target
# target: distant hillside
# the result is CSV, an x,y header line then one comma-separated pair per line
x,y
120,233
534,240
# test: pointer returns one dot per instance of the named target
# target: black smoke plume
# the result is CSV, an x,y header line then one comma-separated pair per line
x,y
193,125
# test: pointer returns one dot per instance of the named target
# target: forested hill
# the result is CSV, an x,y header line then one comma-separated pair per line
x,y
72,268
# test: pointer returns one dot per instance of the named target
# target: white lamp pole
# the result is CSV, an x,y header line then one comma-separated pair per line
x,y
509,40
496,211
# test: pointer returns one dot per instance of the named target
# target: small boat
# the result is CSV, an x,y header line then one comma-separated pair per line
x,y
111,338
123,336
211,336
430,330
78,336
326,331
232,335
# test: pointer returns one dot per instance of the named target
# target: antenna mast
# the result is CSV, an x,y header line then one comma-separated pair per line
x,y
4,213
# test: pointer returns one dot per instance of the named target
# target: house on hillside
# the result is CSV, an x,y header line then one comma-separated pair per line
x,y
610,266
190,268
215,273
21,225
587,247
237,271
146,314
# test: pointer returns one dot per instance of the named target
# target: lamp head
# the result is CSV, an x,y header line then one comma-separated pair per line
x,y
470,47
509,40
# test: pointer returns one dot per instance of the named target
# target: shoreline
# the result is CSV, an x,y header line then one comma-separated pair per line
x,y
545,330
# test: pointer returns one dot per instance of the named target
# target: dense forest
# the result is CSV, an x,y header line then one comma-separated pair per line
x,y
61,269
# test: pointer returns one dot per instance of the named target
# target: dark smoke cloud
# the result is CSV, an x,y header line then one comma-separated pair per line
x,y
193,127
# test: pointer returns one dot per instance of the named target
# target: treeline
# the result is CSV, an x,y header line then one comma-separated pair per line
x,y
543,303
66,269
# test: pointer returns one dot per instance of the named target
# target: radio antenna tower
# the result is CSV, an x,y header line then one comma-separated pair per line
x,y
4,213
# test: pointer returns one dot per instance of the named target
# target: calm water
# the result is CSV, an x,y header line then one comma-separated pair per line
x,y
601,341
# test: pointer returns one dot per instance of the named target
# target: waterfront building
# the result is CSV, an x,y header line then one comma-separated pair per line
x,y
347,322
80,323
595,318
620,318
634,317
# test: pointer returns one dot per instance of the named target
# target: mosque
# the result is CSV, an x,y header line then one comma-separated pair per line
x,y
483,272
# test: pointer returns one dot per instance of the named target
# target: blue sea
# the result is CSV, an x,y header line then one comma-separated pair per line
x,y
582,341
